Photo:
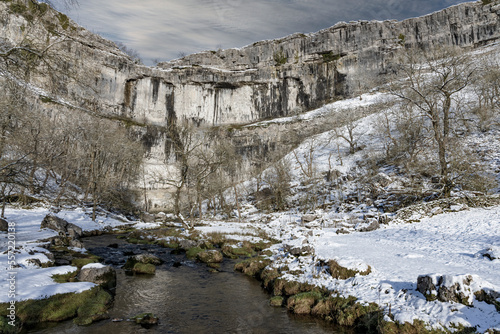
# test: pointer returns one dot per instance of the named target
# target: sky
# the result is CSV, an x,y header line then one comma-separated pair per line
x,y
165,29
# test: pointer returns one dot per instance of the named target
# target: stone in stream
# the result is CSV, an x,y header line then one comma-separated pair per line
x,y
98,273
143,264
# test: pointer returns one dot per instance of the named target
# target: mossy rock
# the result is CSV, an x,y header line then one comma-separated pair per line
x,y
145,319
80,262
339,272
59,307
253,266
268,276
276,301
64,278
210,256
94,309
302,303
192,253
144,268
345,311
168,244
145,258
283,287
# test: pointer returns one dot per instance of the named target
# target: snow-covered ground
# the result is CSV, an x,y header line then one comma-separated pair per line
x,y
31,281
446,244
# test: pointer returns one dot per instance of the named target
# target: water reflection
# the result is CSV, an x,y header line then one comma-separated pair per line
x,y
190,299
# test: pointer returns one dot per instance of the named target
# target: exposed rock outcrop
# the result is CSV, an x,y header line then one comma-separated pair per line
x,y
98,274
265,80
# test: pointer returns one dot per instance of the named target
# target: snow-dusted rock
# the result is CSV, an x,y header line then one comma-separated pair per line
x,y
62,226
54,223
98,274
447,288
371,224
492,253
382,179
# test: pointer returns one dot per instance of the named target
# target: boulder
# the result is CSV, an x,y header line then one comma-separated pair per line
x,y
74,232
144,268
299,250
446,288
100,274
145,319
54,223
210,256
144,258
371,224
426,286
4,225
76,243
308,218
382,179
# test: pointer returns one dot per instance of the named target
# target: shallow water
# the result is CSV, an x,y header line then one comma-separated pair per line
x,y
188,299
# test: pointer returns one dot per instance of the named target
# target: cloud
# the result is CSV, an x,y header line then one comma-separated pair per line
x,y
160,29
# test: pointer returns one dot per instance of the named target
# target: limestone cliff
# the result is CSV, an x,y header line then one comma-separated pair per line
x,y
236,86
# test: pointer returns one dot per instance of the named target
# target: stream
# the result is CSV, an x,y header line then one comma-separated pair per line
x,y
186,298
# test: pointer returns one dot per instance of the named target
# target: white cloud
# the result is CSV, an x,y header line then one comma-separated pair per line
x,y
160,29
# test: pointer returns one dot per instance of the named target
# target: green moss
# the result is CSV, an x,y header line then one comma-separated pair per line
x,y
18,8
144,268
280,58
46,99
339,272
63,20
253,266
168,244
192,253
330,56
94,309
302,303
486,2
84,261
56,308
401,39
276,301
417,327
64,278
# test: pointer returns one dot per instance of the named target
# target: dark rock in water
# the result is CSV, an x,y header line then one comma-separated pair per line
x,y
210,256
177,264
144,268
98,274
4,225
142,264
146,320
113,246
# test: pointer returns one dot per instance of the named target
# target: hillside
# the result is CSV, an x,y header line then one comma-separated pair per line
x,y
357,168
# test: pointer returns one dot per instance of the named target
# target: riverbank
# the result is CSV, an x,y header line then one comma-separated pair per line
x,y
370,280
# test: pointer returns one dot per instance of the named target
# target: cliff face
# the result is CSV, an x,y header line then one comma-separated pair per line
x,y
265,80
287,76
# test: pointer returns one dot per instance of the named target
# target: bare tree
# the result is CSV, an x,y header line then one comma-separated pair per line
x,y
433,81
